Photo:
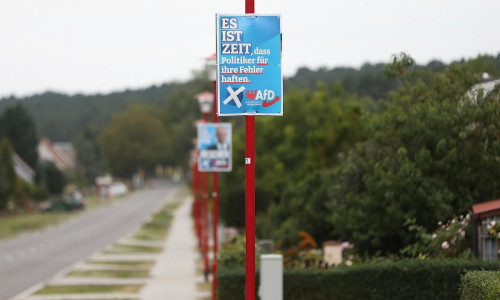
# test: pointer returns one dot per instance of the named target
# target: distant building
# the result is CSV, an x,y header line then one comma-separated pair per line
x,y
67,148
22,169
481,90
61,154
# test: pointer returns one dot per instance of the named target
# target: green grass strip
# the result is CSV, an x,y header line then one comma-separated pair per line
x,y
86,289
123,263
111,273
126,249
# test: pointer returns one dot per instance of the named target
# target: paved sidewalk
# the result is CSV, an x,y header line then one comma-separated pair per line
x,y
174,274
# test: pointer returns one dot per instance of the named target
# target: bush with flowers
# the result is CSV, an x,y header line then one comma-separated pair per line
x,y
494,229
451,239
232,254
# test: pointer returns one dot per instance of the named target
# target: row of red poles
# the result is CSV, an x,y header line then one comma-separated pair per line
x,y
201,209
201,195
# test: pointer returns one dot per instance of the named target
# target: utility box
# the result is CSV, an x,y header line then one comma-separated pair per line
x,y
271,277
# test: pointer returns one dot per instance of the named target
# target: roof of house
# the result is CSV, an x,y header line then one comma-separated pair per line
x,y
486,209
22,169
48,152
482,89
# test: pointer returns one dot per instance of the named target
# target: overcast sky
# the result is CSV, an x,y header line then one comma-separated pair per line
x,y
92,46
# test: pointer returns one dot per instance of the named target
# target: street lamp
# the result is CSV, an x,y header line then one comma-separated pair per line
x,y
205,100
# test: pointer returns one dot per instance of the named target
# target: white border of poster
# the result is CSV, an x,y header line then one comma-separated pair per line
x,y
249,67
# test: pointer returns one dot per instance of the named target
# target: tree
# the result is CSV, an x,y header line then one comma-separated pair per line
x,y
17,125
50,178
295,153
88,155
428,157
7,174
135,139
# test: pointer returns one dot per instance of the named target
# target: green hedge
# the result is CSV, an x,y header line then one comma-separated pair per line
x,y
409,279
231,283
481,285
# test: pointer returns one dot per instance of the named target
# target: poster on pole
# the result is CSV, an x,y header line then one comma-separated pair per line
x,y
214,146
249,77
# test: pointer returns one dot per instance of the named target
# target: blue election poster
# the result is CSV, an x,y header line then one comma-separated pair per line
x,y
214,146
249,79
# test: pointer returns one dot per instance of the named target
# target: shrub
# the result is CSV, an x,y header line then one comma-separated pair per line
x,y
231,283
406,279
481,285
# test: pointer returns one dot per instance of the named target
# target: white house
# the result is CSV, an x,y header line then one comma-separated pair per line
x,y
59,155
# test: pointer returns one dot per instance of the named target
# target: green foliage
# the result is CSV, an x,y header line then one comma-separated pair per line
x,y
450,239
429,156
61,117
294,151
135,139
480,285
407,279
49,177
88,156
180,113
8,176
231,283
17,125
232,254
369,80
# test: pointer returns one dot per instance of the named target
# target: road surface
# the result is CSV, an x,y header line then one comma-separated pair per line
x,y
30,259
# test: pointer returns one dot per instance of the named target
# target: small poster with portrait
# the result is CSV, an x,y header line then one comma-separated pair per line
x,y
214,146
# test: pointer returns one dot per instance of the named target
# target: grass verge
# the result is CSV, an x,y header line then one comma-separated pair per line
x,y
16,224
142,264
111,273
88,289
126,249
158,227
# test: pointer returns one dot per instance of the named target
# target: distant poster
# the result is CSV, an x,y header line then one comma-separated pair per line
x,y
214,144
249,75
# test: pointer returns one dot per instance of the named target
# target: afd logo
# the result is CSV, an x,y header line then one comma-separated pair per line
x,y
263,95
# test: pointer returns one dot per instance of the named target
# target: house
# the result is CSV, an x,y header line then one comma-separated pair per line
x,y
22,169
61,154
486,223
481,90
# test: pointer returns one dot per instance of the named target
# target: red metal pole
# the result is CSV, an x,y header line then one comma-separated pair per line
x,y
215,199
250,191
250,205
249,6
205,213
196,204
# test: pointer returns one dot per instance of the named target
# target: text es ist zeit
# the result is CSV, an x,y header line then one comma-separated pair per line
x,y
231,39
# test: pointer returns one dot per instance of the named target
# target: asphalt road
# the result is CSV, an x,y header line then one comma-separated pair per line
x,y
33,258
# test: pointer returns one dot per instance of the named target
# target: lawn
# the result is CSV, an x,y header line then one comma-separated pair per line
x,y
86,289
157,228
126,249
16,224
111,273
137,264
